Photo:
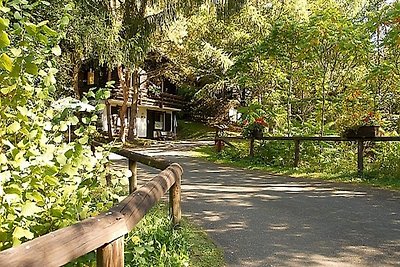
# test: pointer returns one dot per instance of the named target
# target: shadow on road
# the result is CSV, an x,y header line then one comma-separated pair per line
x,y
267,220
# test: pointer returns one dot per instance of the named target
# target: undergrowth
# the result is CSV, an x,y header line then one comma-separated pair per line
x,y
324,160
154,242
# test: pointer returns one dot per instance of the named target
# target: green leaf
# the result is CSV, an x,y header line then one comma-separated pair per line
x,y
16,52
58,139
43,38
63,126
56,50
13,189
6,62
4,176
64,21
73,120
70,170
16,70
8,89
4,9
31,68
29,209
4,40
51,180
31,28
43,23
37,196
83,140
139,250
86,120
17,15
3,159
20,233
49,31
14,127
4,23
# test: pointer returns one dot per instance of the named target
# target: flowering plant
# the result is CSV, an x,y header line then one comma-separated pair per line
x,y
255,128
358,119
253,120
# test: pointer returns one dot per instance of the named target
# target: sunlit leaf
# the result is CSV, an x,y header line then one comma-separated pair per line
x,y
30,208
20,233
6,62
4,40
14,127
56,50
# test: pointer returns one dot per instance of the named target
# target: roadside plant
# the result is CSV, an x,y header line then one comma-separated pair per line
x,y
47,179
253,120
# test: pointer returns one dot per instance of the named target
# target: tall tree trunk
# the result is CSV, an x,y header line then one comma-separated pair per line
x,y
289,105
134,106
124,79
322,130
75,79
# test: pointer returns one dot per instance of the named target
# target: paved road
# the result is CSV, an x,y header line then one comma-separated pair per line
x,y
267,220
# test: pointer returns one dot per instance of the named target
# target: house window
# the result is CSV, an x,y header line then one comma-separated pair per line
x,y
158,121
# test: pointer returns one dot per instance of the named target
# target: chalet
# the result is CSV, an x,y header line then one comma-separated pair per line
x,y
158,103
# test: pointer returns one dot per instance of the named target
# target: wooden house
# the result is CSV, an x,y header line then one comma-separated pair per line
x,y
158,103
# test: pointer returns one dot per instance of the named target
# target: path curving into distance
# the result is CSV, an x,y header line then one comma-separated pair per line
x,y
268,220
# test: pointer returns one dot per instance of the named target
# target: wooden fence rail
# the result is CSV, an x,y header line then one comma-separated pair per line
x,y
106,231
298,139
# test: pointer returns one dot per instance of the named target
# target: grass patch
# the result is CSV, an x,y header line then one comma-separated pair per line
x,y
203,251
341,171
194,130
154,242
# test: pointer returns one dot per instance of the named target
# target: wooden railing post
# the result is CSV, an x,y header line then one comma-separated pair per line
x,y
296,152
133,178
175,201
360,157
219,144
112,254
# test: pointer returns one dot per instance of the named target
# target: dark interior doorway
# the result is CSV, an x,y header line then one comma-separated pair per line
x,y
151,114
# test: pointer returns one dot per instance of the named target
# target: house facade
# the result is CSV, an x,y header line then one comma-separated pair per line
x,y
158,105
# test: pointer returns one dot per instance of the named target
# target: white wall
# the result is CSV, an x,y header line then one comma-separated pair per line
x,y
141,122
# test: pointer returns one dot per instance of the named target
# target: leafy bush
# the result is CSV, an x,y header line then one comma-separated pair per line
x,y
46,182
331,160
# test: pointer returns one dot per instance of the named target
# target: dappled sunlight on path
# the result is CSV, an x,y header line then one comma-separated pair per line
x,y
268,220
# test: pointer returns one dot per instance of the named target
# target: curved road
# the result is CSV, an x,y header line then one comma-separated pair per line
x,y
268,220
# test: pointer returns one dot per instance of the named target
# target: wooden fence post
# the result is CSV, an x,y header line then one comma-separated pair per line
x,y
175,201
133,178
360,157
219,143
111,254
296,152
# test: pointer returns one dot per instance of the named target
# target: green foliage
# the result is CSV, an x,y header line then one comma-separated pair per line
x,y
326,160
194,130
46,180
154,242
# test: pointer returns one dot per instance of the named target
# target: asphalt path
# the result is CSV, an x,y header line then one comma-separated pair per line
x,y
260,219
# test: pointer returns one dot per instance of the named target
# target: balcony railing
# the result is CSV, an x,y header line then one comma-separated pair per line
x,y
160,100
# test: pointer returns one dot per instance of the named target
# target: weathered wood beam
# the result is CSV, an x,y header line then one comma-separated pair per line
x,y
65,245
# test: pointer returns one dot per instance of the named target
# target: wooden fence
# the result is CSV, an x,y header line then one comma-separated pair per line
x,y
105,232
297,139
